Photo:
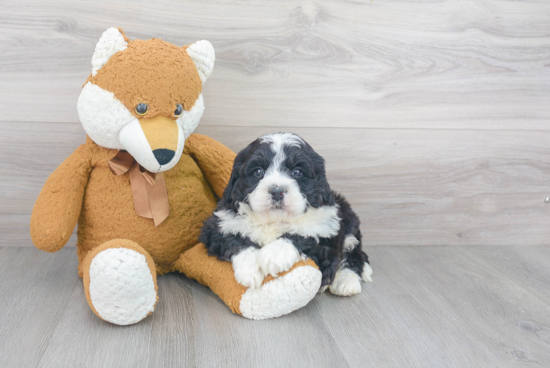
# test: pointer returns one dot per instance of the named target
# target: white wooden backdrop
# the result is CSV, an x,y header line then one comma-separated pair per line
x,y
433,115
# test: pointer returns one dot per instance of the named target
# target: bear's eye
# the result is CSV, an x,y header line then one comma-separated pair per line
x,y
142,109
179,110
259,173
297,173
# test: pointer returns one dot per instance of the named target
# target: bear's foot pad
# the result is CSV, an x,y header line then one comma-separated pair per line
x,y
282,295
122,289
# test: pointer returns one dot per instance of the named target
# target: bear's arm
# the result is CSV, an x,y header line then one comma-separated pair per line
x,y
214,159
58,205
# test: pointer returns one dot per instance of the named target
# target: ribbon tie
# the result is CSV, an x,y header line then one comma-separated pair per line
x,y
148,189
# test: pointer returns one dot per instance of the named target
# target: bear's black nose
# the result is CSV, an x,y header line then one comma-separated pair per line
x,y
164,155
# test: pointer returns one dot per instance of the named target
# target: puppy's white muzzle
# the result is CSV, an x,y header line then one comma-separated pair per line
x,y
277,193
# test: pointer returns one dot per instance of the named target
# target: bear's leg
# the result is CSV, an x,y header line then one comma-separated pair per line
x,y
120,282
276,297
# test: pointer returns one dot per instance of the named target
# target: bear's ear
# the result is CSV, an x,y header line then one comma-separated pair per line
x,y
203,55
112,41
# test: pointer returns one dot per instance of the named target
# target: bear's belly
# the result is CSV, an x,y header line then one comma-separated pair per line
x,y
108,213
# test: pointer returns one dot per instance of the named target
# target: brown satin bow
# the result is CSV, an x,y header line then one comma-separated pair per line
x,y
148,189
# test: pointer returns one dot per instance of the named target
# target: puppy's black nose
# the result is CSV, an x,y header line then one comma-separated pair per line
x,y
277,193
163,155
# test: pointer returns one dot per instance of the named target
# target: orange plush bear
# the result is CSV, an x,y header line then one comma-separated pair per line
x,y
142,185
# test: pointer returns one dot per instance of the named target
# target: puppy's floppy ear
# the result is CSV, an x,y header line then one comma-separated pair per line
x,y
324,193
328,198
228,193
235,192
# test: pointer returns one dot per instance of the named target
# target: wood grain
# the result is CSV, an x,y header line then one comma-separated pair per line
x,y
301,340
432,115
524,268
331,63
409,187
190,327
427,307
34,289
164,339
439,306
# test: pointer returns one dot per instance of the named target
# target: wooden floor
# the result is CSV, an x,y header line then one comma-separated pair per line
x,y
427,307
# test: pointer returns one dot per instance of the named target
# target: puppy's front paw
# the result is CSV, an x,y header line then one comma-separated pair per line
x,y
346,283
246,268
278,256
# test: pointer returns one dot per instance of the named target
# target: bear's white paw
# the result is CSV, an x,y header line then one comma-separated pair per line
x,y
278,256
246,268
346,283
366,275
121,287
282,295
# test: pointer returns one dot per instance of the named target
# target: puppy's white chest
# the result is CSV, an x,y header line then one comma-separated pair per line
x,y
264,234
263,229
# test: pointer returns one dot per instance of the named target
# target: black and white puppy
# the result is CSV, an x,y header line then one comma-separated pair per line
x,y
278,208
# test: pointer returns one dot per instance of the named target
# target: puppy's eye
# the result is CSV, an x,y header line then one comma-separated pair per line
x,y
297,173
259,173
142,109
179,110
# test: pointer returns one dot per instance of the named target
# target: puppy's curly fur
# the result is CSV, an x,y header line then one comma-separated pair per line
x,y
277,208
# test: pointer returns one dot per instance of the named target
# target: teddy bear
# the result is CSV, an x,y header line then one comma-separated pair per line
x,y
142,184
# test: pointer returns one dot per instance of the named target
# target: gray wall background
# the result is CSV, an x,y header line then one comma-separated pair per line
x,y
433,116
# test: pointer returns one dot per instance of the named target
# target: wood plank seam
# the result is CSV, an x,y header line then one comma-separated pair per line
x,y
58,319
545,299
